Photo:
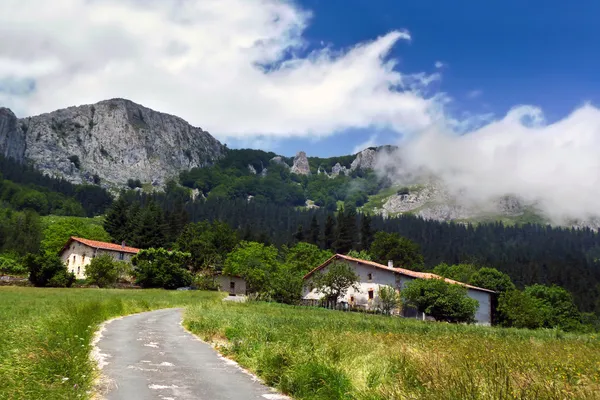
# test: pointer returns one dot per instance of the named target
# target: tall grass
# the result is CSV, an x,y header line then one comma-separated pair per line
x,y
45,335
322,354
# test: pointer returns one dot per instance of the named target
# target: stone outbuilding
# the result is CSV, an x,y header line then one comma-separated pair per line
x,y
373,276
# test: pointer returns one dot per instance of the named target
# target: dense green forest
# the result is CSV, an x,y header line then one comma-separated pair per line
x,y
530,254
231,178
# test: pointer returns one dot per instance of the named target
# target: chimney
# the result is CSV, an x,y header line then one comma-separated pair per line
x,y
123,244
391,264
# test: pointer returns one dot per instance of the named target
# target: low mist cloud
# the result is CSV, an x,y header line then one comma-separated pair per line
x,y
554,166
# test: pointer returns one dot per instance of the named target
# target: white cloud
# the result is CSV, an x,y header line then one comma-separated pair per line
x,y
370,142
439,64
553,165
236,68
473,94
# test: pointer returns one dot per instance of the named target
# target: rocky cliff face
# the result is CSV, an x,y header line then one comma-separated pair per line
x,y
115,140
301,166
12,136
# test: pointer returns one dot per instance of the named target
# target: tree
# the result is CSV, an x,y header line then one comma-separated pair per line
x,y
443,301
366,233
457,272
314,232
562,310
335,280
521,310
254,262
304,257
58,230
361,255
48,270
299,235
160,268
103,271
208,243
149,228
329,233
402,251
116,221
492,279
345,235
388,299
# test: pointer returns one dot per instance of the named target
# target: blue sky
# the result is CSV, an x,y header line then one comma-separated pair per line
x,y
312,75
496,54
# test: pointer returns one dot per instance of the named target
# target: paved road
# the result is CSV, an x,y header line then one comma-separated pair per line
x,y
150,356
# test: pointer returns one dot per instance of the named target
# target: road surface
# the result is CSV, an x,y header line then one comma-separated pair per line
x,y
151,356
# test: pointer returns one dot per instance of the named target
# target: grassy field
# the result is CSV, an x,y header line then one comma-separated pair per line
x,y
309,353
45,335
323,354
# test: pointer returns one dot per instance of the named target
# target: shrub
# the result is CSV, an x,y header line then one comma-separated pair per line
x,y
11,266
48,270
103,271
159,268
388,300
443,301
134,183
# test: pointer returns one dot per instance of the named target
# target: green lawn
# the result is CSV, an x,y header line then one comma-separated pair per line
x,y
322,354
45,335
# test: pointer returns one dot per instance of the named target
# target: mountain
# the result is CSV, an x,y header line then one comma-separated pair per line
x,y
109,142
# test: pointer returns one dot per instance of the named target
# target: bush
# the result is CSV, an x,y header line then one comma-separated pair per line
x,y
443,301
159,268
48,271
134,183
103,271
10,266
388,300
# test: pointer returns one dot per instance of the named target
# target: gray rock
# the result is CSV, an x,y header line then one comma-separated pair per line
x,y
252,169
279,161
364,160
301,166
12,136
114,139
339,169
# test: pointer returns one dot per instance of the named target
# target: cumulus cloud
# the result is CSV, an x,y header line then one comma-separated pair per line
x,y
370,142
554,166
439,64
234,67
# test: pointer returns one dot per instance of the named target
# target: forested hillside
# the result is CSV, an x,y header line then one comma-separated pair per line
x,y
528,253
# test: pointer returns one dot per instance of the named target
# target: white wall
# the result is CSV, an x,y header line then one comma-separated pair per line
x,y
381,277
78,255
224,282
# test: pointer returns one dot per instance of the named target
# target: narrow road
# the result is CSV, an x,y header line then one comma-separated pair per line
x,y
151,356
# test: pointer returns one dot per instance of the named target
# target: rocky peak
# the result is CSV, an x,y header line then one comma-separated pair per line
x,y
364,160
114,139
339,169
301,166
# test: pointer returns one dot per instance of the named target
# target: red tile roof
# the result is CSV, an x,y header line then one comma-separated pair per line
x,y
402,271
102,245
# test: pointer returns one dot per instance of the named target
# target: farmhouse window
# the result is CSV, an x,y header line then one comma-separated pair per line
x,y
370,277
121,256
78,270
73,259
371,294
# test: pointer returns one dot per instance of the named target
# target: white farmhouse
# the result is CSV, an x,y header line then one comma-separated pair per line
x,y
372,276
78,253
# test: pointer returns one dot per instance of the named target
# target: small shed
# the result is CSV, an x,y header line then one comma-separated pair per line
x,y
234,285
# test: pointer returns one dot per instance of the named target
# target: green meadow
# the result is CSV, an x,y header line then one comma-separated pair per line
x,y
46,334
322,354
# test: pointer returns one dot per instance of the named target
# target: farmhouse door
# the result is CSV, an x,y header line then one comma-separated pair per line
x,y
232,288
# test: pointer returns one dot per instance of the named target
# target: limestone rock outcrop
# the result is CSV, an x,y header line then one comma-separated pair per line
x,y
115,139
301,166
